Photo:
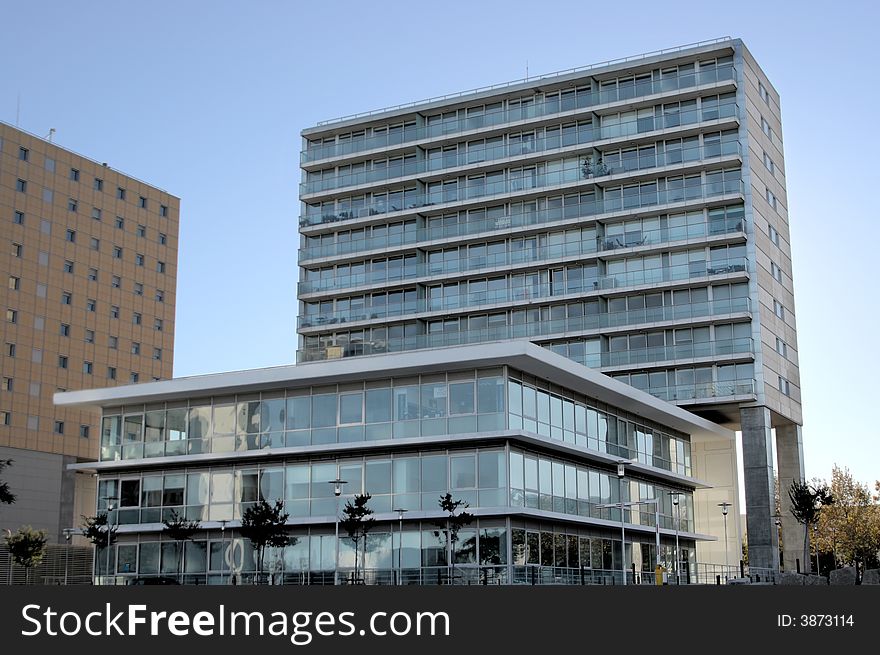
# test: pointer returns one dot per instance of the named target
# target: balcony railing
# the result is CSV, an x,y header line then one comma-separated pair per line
x,y
525,111
580,136
528,293
635,356
704,390
529,180
555,252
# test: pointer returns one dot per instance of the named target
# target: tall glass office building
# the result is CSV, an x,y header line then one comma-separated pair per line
x,y
630,216
529,439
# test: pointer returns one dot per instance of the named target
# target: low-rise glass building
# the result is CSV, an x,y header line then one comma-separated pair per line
x,y
529,439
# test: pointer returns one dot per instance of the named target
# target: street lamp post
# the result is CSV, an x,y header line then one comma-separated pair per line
x,y
621,471
816,544
109,535
223,553
675,500
400,512
725,506
634,503
337,492
68,532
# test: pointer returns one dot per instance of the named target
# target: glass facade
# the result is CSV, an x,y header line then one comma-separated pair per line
x,y
521,495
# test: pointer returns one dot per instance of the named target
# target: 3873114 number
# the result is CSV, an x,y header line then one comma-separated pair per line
x,y
826,620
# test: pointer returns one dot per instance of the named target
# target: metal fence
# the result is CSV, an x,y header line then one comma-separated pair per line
x,y
61,565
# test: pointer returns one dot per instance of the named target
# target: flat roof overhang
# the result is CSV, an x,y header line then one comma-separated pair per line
x,y
519,354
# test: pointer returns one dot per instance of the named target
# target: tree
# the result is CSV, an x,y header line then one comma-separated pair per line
x,y
102,535
6,496
27,547
181,531
357,521
850,528
806,503
265,525
456,518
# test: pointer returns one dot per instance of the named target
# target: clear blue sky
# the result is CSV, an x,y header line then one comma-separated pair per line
x,y
206,100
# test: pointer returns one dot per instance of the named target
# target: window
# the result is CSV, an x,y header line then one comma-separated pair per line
x,y
769,163
95,243
93,274
117,252
14,282
111,372
116,282
59,427
781,347
91,305
10,350
87,368
71,205
45,226
21,185
120,193
70,236
65,330
157,324
48,196
11,316
778,309
68,266
74,175
96,213
6,385
163,210
774,235
5,418
49,164
112,342
66,298
784,386
39,322
776,272
160,295
62,361
138,289
89,336
33,422
120,223
18,218
762,91
142,202
23,153
84,431
157,354
34,389
16,250
765,128
139,259
133,378
114,311
141,230
771,199
136,318
160,267
135,348
36,356
162,239
99,184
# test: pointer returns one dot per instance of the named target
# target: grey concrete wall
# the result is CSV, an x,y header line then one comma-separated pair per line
x,y
757,445
790,453
38,481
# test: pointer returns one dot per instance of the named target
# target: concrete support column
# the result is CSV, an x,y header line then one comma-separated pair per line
x,y
790,452
757,446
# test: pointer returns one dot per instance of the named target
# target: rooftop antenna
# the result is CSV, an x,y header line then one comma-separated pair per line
x,y
51,134
527,69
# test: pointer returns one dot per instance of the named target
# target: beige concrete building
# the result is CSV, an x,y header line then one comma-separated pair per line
x,y
88,259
